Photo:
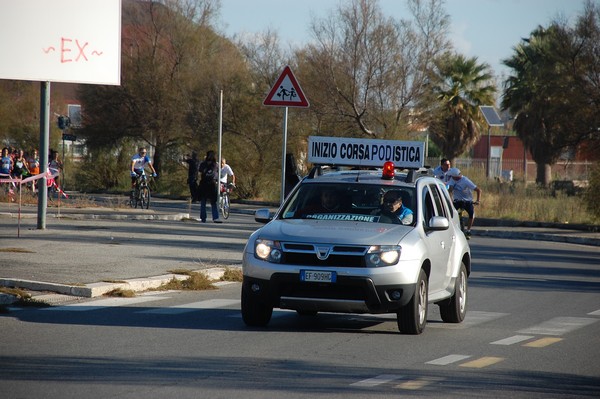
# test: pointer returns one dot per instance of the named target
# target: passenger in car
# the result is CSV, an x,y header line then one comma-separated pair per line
x,y
392,209
329,202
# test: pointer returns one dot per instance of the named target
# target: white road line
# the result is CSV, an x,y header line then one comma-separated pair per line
x,y
103,303
192,307
515,339
446,360
559,326
473,318
375,381
595,313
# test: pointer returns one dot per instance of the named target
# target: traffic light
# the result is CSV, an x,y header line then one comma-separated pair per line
x,y
63,122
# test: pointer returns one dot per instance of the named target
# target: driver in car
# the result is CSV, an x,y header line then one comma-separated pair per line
x,y
392,209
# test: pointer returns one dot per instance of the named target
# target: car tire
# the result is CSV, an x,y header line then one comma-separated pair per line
x,y
454,309
412,318
255,313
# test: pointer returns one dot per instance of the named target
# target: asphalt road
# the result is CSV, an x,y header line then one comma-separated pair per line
x,y
531,332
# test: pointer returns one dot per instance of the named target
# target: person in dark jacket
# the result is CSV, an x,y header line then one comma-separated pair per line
x,y
209,179
193,166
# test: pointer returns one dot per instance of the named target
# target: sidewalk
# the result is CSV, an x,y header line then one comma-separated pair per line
x,y
86,252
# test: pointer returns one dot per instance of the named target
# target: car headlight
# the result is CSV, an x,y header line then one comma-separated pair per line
x,y
268,250
384,255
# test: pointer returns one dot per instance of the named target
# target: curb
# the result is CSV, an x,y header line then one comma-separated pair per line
x,y
94,290
537,237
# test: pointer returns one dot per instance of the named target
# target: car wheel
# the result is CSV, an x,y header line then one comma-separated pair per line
x,y
412,318
454,309
254,312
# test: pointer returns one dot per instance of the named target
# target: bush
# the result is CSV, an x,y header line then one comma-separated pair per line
x,y
592,193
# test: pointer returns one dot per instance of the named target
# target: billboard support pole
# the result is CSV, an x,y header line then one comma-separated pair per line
x,y
44,144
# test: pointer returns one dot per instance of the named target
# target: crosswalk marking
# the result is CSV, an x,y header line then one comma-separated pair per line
x,y
192,307
515,339
482,362
446,360
418,383
375,381
104,303
595,313
559,326
542,342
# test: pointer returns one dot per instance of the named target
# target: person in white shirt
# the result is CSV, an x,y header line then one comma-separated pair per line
x,y
461,189
226,171
441,172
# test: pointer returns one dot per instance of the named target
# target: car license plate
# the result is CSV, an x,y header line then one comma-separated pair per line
x,y
317,276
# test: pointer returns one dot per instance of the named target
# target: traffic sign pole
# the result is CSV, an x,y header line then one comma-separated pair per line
x,y
286,92
284,145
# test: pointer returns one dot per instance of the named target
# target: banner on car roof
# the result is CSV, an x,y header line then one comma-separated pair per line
x,y
365,152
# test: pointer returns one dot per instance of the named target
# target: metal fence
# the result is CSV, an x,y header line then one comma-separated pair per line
x,y
504,168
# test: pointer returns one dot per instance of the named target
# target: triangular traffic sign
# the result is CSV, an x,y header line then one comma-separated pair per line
x,y
286,92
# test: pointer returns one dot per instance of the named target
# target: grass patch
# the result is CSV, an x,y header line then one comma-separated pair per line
x,y
195,282
232,275
17,250
120,293
18,292
185,272
24,298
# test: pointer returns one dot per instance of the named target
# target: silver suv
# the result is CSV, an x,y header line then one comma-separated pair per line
x,y
344,242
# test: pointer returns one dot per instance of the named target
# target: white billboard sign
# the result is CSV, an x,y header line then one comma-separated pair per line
x,y
75,41
365,152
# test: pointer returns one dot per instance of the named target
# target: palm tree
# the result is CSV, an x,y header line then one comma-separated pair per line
x,y
460,85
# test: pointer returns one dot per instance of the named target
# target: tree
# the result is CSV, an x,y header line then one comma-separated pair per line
x,y
365,72
553,89
164,46
460,85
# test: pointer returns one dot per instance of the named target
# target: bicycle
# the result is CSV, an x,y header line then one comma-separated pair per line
x,y
224,204
141,194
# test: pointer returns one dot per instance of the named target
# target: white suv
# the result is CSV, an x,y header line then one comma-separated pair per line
x,y
350,253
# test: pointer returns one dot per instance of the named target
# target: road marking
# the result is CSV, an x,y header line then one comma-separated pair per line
x,y
595,313
542,342
375,381
444,361
103,303
192,307
512,340
559,326
482,362
418,383
473,318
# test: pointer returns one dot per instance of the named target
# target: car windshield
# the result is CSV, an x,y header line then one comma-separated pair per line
x,y
355,203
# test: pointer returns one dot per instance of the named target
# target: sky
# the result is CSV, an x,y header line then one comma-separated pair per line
x,y
486,29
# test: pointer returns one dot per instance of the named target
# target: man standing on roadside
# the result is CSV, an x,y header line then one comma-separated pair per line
x,y
209,180
441,172
193,165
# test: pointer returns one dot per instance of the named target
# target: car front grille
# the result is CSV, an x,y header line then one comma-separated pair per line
x,y
324,255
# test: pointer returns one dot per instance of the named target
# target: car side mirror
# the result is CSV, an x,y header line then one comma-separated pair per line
x,y
437,223
263,215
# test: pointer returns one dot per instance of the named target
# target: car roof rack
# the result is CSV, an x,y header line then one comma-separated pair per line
x,y
411,174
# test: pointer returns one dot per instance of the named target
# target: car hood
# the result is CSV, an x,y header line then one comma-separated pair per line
x,y
334,232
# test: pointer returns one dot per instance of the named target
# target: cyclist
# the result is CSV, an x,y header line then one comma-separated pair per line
x,y
138,164
461,189
226,171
